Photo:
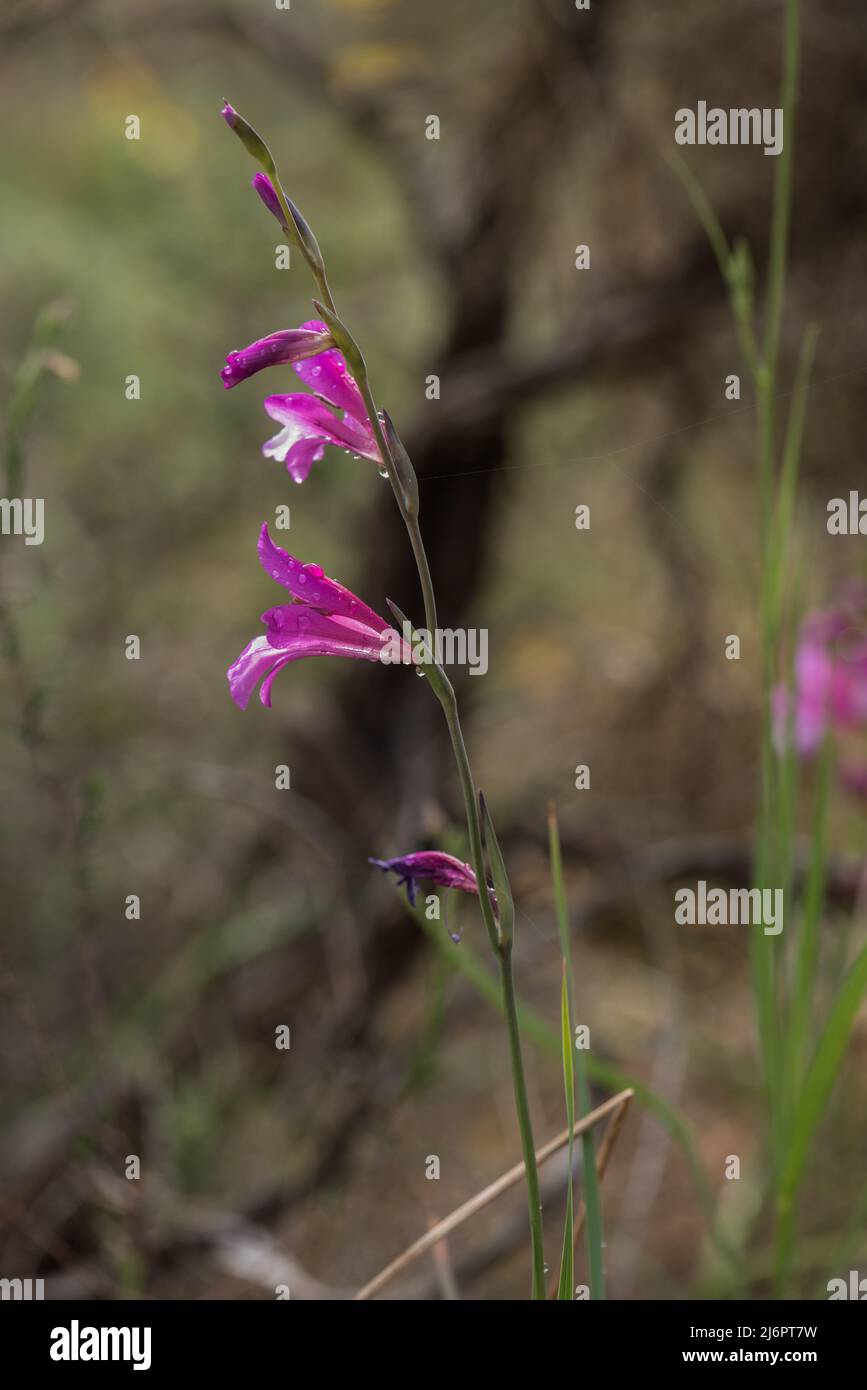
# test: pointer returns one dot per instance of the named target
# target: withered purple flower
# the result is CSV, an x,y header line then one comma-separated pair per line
x,y
433,866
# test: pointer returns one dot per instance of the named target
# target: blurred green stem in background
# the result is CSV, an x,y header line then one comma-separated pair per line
x,y
592,1200
41,357
800,1064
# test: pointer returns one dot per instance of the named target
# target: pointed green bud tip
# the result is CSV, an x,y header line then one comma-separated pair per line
x,y
396,613
342,338
406,474
505,907
250,139
308,242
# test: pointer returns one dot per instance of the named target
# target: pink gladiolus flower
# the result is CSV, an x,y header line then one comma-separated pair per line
x,y
431,865
323,619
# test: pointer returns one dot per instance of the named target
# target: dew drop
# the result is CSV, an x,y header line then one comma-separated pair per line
x,y
315,570
383,472
419,670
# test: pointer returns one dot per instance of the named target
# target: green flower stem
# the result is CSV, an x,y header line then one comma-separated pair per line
x,y
503,950
410,516
534,1201
407,501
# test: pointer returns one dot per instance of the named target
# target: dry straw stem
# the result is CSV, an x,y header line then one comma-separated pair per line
x,y
612,1132
488,1194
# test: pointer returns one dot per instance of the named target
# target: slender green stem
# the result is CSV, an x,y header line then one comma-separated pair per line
x,y
776,823
503,951
410,518
522,1107
450,710
406,497
782,205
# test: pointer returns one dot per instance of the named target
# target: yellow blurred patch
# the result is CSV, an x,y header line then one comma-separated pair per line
x,y
540,663
169,137
364,65
360,6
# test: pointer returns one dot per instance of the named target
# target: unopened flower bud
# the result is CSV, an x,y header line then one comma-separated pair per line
x,y
265,188
404,471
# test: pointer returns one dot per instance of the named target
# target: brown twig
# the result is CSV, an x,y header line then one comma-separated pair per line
x,y
484,1198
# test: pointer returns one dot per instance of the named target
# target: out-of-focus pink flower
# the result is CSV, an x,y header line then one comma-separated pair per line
x,y
830,676
431,865
324,619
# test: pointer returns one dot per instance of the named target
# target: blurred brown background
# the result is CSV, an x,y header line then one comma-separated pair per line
x,y
558,387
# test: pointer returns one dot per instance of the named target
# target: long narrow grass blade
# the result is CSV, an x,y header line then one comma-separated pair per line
x,y
808,938
818,1085
567,1263
592,1201
539,1031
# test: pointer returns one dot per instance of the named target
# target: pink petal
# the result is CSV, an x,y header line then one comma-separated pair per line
x,y
306,419
328,375
294,629
310,586
255,661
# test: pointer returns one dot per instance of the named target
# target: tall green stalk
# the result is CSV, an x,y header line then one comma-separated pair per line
x,y
404,483
782,1011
